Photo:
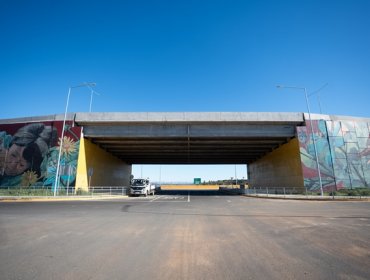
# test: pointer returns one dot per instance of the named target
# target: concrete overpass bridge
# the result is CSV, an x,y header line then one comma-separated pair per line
x,y
277,147
189,138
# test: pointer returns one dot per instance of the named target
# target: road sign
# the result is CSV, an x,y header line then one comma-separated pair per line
x,y
197,181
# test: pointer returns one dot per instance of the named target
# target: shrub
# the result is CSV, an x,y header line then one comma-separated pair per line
x,y
355,192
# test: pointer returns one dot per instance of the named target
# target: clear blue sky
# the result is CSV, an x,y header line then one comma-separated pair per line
x,y
184,55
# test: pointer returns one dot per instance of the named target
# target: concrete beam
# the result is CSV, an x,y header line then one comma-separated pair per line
x,y
194,130
189,117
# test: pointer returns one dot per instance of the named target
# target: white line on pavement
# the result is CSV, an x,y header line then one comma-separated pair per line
x,y
161,198
158,197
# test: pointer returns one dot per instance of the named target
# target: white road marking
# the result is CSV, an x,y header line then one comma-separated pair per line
x,y
43,237
163,198
158,197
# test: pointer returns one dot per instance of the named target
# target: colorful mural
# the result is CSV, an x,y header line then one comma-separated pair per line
x,y
29,154
343,149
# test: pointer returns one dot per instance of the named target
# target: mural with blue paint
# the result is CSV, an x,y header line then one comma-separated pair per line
x,y
29,154
343,149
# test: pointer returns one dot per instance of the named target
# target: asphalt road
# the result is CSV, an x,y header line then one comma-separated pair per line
x,y
200,235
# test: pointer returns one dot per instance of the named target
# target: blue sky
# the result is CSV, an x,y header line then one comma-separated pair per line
x,y
184,56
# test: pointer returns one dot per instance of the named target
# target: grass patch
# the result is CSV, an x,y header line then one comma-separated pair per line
x,y
25,192
352,192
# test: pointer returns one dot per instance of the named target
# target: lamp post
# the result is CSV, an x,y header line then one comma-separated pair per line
x,y
318,95
313,137
57,175
160,174
236,178
92,92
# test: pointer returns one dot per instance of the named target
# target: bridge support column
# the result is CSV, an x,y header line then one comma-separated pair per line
x,y
96,167
280,168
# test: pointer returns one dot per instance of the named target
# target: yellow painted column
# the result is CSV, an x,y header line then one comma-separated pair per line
x,y
81,176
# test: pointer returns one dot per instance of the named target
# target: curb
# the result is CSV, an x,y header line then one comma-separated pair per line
x,y
365,199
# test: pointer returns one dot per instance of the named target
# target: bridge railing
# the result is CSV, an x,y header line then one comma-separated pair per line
x,y
109,190
70,191
275,191
302,193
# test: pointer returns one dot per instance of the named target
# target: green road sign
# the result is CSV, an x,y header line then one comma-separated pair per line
x,y
197,181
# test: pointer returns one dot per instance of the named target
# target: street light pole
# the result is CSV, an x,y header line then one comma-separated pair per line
x,y
92,92
160,174
236,178
57,173
312,133
318,95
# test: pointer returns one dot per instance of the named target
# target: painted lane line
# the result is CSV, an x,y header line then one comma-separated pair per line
x,y
158,197
159,201
43,237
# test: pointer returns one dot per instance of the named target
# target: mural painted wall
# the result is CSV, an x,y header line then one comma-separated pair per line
x,y
343,149
29,154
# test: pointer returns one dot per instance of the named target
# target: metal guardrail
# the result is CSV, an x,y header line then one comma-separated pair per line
x,y
298,193
292,193
277,191
70,191
110,190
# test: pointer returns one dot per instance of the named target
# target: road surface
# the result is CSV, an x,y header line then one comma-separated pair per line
x,y
195,235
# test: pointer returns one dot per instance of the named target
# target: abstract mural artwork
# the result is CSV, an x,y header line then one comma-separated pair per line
x,y
343,152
